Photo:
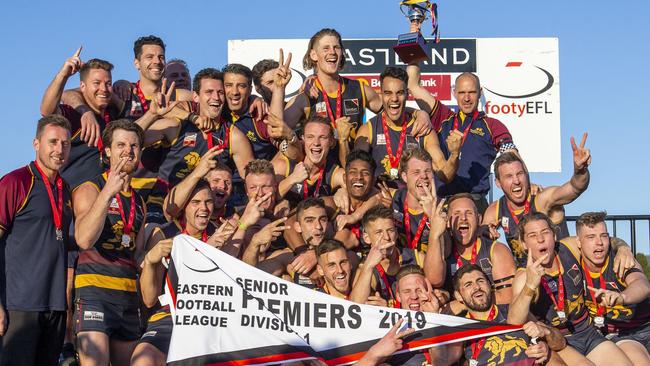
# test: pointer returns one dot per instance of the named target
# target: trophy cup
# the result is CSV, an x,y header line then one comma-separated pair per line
x,y
411,47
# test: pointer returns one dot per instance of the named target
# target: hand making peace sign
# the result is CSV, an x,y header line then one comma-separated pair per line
x,y
581,156
161,103
283,72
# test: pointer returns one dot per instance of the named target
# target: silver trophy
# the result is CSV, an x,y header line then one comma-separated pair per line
x,y
416,12
411,47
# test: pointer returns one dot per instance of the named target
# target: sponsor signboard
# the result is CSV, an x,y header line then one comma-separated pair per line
x,y
519,77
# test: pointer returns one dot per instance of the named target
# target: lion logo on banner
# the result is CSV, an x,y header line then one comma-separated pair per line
x,y
502,346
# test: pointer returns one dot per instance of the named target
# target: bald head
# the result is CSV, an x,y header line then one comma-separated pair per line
x,y
467,91
468,76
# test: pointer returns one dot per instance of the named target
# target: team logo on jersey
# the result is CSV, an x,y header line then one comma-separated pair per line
x,y
351,106
190,139
478,131
505,224
96,316
381,139
192,160
385,162
251,136
552,284
321,109
150,333
576,274
114,207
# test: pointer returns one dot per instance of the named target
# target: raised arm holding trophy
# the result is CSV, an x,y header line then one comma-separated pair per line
x,y
411,47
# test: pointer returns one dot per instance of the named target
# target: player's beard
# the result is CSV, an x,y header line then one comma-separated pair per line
x,y
482,304
130,167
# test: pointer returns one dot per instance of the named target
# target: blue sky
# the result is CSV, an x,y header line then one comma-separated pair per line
x,y
604,54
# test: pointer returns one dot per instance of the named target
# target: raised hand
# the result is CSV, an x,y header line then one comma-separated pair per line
x,y
161,103
223,233
299,173
254,210
442,295
607,298
90,129
429,302
282,208
454,141
116,178
159,251
208,161
388,344
534,270
305,263
268,234
439,220
376,254
258,108
277,128
624,258
308,88
581,155
283,72
180,111
385,197
204,123
422,124
343,128
535,189
492,231
344,220
72,65
342,200
376,300
428,202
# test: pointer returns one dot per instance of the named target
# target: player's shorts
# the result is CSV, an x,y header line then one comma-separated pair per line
x,y
121,322
641,335
158,332
585,340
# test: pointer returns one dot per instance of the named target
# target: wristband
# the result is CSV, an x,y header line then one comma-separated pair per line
x,y
529,291
241,225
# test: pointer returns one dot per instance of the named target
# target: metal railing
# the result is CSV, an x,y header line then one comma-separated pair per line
x,y
614,219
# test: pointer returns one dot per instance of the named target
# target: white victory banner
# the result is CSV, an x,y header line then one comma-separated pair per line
x,y
520,79
226,312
